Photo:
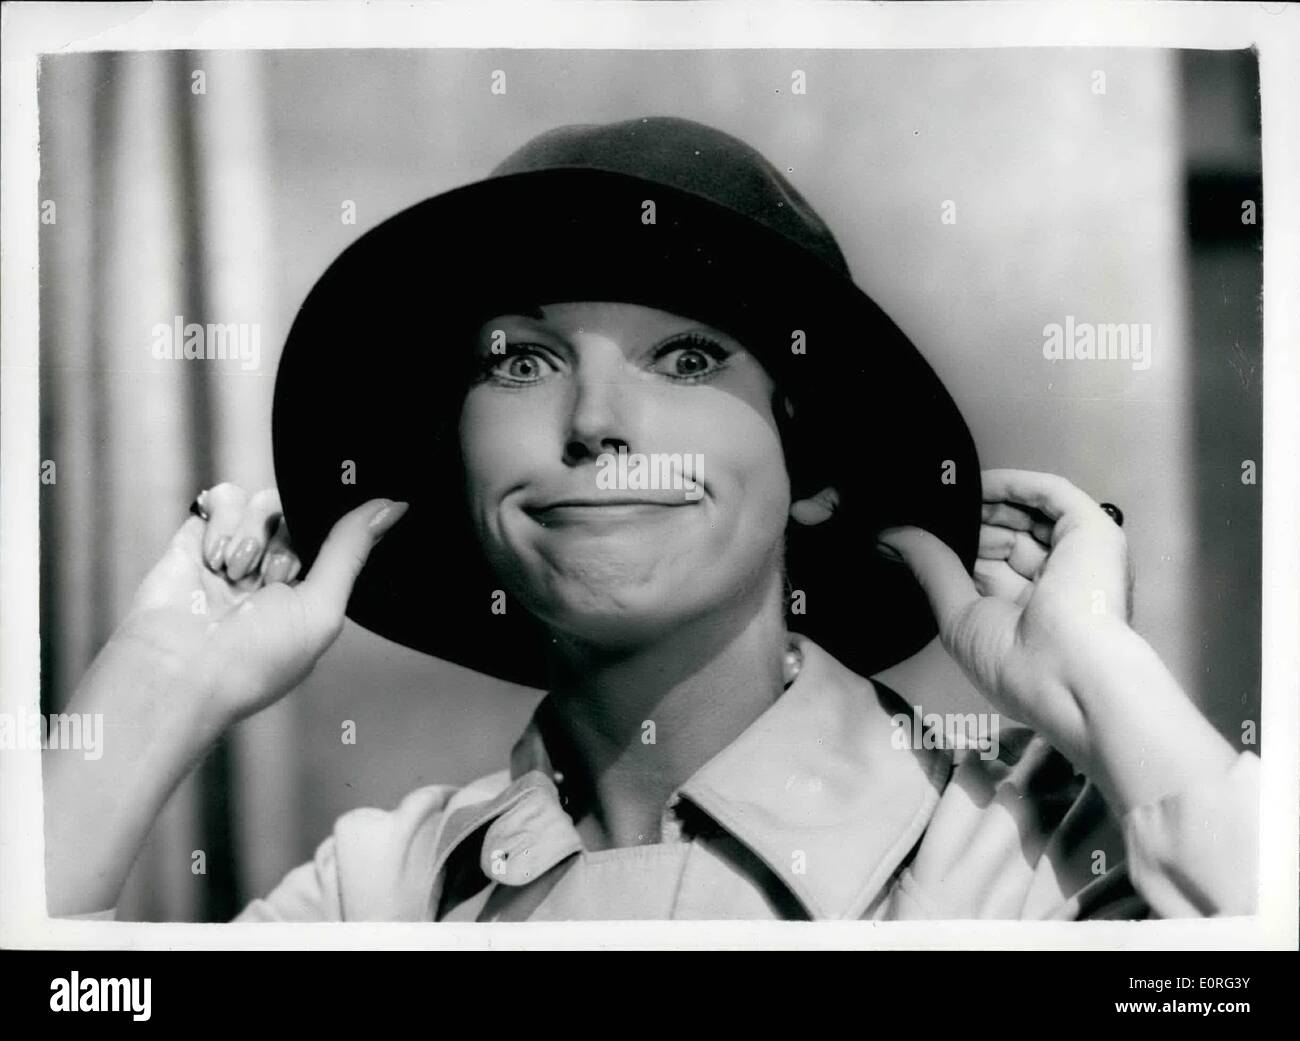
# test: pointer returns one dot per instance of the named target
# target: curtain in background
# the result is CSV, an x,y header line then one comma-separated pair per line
x,y
160,211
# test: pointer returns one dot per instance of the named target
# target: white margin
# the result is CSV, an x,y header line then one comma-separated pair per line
x,y
30,29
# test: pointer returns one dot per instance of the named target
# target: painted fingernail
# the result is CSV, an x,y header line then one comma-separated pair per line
x,y
889,553
277,568
242,558
388,516
216,552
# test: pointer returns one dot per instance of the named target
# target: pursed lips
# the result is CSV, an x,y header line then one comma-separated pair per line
x,y
603,510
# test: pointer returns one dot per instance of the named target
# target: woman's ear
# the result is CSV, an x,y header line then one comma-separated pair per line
x,y
816,508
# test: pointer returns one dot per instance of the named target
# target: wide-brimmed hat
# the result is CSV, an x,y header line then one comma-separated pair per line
x,y
659,211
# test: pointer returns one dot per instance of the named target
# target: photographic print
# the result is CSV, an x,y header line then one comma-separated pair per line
x,y
709,482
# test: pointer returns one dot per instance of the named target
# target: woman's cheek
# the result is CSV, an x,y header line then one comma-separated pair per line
x,y
490,465
498,439
763,464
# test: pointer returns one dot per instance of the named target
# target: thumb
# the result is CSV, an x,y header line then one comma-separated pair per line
x,y
937,568
189,537
342,556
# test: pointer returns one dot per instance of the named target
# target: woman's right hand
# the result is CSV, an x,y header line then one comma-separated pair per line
x,y
217,630
224,610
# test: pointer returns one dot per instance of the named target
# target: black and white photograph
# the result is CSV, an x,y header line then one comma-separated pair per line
x,y
710,482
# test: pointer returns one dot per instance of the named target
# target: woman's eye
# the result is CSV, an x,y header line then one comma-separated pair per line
x,y
692,358
522,363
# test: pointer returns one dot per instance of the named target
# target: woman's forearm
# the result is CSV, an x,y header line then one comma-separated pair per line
x,y
1147,739
98,812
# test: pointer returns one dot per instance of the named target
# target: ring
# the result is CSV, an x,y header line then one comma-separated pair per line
x,y
199,506
1114,512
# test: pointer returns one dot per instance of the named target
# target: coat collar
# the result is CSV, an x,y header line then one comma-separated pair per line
x,y
814,787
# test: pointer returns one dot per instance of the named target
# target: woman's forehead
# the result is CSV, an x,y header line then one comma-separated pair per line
x,y
599,317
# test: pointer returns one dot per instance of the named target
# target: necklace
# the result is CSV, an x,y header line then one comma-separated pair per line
x,y
791,664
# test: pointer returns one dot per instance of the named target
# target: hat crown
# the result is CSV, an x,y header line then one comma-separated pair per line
x,y
690,157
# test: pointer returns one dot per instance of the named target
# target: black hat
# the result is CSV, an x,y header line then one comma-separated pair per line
x,y
659,211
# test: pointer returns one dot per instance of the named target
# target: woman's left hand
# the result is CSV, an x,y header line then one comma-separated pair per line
x,y
1049,600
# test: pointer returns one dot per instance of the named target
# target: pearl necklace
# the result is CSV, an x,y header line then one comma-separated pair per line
x,y
791,664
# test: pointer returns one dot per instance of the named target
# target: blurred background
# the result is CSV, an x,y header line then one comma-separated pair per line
x,y
216,186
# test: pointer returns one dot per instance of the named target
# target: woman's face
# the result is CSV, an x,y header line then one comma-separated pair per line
x,y
595,549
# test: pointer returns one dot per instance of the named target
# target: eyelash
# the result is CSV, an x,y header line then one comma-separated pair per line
x,y
699,342
693,340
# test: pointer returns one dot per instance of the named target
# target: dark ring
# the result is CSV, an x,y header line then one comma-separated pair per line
x,y
1114,512
197,508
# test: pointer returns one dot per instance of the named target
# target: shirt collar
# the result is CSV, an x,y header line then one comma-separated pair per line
x,y
814,787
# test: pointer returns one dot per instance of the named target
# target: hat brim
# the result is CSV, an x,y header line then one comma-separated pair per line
x,y
370,384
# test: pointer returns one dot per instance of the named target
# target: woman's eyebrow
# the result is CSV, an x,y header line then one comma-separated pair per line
x,y
534,323
521,309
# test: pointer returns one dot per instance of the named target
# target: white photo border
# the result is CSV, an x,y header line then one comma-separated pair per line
x,y
33,29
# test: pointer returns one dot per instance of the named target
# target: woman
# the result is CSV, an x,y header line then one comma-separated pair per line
x,y
684,475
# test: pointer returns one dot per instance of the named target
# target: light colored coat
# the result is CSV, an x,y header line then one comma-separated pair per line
x,y
821,809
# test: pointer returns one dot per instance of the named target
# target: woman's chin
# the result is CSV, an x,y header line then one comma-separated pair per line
x,y
619,624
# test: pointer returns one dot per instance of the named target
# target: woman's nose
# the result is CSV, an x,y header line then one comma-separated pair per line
x,y
599,421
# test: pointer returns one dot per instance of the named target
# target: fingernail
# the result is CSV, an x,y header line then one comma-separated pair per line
x,y
242,558
889,553
389,515
216,552
277,568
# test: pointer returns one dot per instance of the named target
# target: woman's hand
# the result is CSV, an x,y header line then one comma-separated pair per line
x,y
1043,631
223,611
1048,605
218,630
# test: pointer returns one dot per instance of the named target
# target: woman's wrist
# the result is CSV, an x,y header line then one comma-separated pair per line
x,y
1144,738
135,676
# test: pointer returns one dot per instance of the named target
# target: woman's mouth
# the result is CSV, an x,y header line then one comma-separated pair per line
x,y
604,512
